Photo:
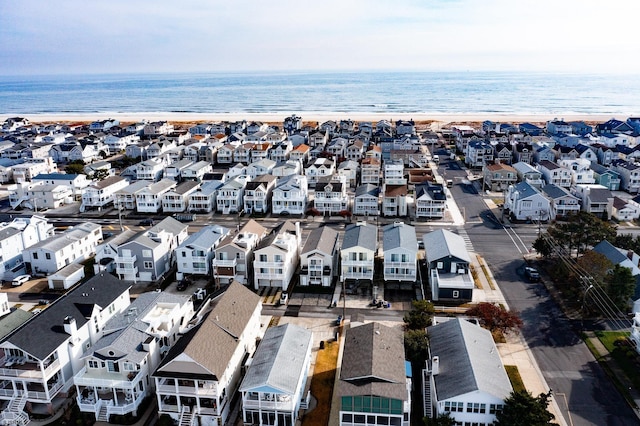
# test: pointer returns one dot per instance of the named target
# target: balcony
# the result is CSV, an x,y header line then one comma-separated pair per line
x,y
269,276
268,402
126,259
357,263
166,387
21,367
225,263
257,264
103,378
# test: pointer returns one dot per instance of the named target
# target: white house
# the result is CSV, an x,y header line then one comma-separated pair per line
x,y
430,201
527,173
319,258
400,247
464,375
15,237
125,198
176,200
102,193
580,169
197,380
196,171
116,373
276,257
230,196
257,194
524,202
40,358
562,202
74,245
290,194
151,169
330,196
357,254
365,200
203,199
554,173
319,168
194,255
274,385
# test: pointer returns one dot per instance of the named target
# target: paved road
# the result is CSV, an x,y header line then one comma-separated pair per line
x,y
584,393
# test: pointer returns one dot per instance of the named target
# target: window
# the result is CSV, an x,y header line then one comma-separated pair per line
x,y
455,294
263,258
94,364
35,255
148,265
146,253
47,256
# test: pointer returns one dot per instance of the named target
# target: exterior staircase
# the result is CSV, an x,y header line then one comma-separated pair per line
x,y
426,394
103,413
187,418
14,414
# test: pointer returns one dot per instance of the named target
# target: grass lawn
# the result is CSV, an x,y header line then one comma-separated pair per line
x,y
625,356
322,381
514,378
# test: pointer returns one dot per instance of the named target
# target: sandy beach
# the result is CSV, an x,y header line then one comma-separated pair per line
x,y
438,119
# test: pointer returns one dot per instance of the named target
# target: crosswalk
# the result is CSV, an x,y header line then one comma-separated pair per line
x,y
467,241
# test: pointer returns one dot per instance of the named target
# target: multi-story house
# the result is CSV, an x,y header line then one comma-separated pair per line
x,y
264,166
319,138
77,182
365,201
370,171
242,153
230,196
498,177
400,247
32,167
234,255
330,196
595,199
606,177
174,170
17,236
300,153
257,194
259,151
562,202
394,172
39,195
556,126
448,266
394,200
319,258
102,193
280,151
318,169
287,168
460,352
149,198
292,124
478,154
151,169
196,171
125,198
225,154
157,128
151,254
107,251
523,152
74,245
357,254
624,210
177,199
355,150
524,202
374,387
273,389
430,201
276,256
116,373
503,153
290,195
203,200
195,254
40,358
197,380
604,154
527,173
349,170
629,175
554,173
580,169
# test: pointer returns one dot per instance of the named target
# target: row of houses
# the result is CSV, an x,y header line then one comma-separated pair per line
x,y
111,355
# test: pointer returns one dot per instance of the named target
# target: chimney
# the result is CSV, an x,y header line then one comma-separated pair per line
x,y
70,326
435,365
298,233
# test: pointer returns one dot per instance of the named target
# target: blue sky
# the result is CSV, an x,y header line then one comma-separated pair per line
x,y
114,36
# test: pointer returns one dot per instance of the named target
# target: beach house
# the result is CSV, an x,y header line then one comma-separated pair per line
x,y
400,251
330,196
319,258
229,198
258,193
448,266
365,200
524,202
357,255
149,198
562,202
176,200
290,195
430,200
276,257
195,254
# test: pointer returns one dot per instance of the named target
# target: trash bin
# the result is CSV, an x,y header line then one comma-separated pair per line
x,y
321,344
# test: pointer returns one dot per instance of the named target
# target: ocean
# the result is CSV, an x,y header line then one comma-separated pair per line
x,y
307,92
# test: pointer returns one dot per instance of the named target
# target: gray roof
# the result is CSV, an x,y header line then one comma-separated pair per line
x,y
322,239
442,243
280,360
67,238
213,343
207,237
610,251
134,187
13,320
68,270
398,235
554,191
468,360
600,195
186,187
525,190
368,189
524,168
373,362
8,231
45,332
360,235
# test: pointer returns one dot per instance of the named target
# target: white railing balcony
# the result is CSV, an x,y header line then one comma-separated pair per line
x,y
357,263
269,403
27,369
225,263
269,276
126,270
42,396
358,275
126,259
257,264
187,390
198,258
400,264
392,276
101,378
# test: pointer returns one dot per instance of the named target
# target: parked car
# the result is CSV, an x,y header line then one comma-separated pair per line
x,y
184,217
183,284
20,279
146,222
284,298
532,274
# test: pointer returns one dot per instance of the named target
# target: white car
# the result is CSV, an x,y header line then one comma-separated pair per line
x,y
20,279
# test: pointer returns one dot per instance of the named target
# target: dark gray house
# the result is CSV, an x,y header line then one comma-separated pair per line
x,y
448,264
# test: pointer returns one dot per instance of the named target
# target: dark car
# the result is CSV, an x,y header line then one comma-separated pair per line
x,y
146,222
532,274
182,285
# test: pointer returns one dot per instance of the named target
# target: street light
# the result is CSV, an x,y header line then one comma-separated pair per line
x,y
584,297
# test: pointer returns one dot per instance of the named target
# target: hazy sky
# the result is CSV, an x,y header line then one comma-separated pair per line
x,y
105,36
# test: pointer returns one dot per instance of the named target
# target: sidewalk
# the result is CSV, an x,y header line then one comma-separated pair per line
x,y
515,351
